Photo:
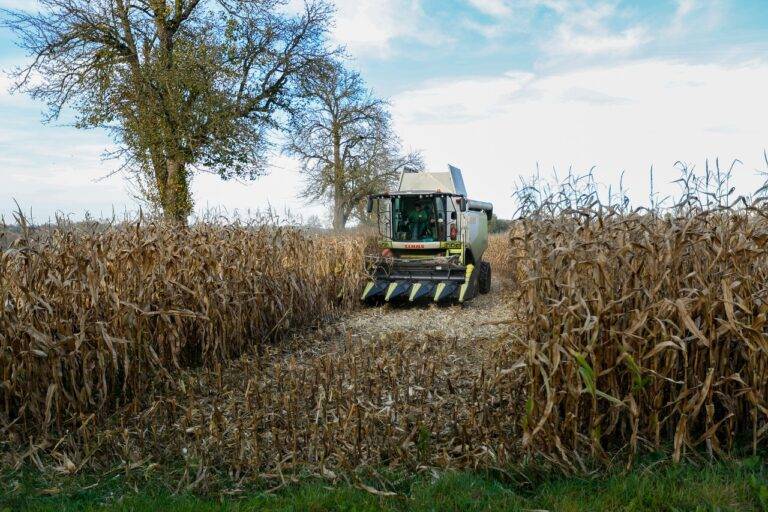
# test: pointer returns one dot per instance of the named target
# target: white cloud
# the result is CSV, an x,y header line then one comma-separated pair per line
x,y
585,29
592,28
277,191
695,15
622,117
24,5
5,85
493,7
487,30
573,41
10,99
580,27
684,7
56,169
368,27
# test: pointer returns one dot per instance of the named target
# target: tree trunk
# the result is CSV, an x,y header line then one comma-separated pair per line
x,y
338,181
174,193
339,219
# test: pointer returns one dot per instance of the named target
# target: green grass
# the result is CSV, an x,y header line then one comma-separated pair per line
x,y
657,486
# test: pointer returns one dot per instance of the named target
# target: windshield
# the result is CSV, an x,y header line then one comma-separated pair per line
x,y
418,218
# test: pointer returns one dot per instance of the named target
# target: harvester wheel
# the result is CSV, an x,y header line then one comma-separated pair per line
x,y
484,281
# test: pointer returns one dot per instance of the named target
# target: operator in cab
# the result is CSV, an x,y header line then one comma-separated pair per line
x,y
418,219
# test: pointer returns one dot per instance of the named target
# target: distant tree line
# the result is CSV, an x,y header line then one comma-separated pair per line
x,y
188,86
497,225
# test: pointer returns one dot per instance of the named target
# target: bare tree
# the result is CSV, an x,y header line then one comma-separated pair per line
x,y
344,140
183,85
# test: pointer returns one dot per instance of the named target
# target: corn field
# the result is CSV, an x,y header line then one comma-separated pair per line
x,y
505,257
643,331
612,333
93,322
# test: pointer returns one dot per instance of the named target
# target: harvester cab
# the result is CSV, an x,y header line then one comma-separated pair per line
x,y
432,240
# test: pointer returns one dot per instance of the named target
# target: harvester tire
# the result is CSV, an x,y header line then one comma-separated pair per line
x,y
484,281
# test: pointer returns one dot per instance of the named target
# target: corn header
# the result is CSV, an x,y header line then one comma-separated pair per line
x,y
432,240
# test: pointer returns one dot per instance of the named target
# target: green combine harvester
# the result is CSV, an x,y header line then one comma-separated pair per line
x,y
432,241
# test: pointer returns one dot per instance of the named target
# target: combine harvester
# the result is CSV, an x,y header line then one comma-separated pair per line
x,y
432,239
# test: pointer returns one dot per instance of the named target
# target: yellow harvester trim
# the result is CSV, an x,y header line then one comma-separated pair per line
x,y
414,290
390,289
367,290
470,269
438,290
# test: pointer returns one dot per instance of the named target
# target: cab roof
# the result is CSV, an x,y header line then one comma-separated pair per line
x,y
450,182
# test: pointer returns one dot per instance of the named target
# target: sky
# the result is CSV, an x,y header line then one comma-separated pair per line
x,y
499,88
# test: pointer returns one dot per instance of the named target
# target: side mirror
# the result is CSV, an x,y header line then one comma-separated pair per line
x,y
369,204
463,204
453,215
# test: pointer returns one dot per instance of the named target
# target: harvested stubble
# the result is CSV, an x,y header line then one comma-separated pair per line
x,y
645,330
93,322
339,402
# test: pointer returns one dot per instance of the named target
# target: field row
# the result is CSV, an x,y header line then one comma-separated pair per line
x,y
620,334
95,322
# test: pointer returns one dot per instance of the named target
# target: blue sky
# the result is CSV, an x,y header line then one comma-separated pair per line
x,y
496,87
